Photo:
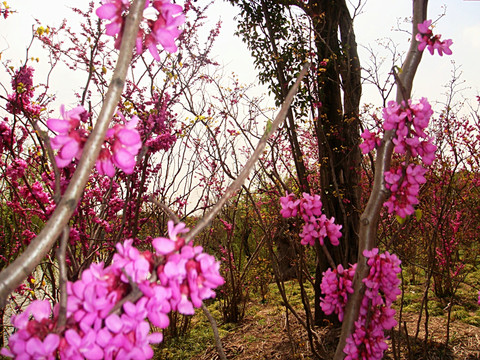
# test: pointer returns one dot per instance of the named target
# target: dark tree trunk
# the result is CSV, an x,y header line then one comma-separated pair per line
x,y
337,130
337,87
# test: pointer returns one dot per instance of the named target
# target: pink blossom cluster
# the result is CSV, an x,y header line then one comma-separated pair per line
x,y
21,99
101,322
426,38
404,185
376,314
122,142
370,141
336,286
158,123
16,169
409,121
164,30
5,136
70,137
317,225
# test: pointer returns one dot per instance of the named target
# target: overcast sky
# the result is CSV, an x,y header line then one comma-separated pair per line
x,y
377,21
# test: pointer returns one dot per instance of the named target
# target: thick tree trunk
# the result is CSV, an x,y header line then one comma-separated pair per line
x,y
337,130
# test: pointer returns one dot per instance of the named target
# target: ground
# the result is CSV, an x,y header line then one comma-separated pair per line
x,y
265,333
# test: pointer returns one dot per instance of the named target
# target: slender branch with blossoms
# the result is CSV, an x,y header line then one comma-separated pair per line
x,y
399,188
409,122
376,315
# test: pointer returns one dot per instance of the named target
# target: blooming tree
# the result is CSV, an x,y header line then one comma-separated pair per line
x,y
105,312
362,295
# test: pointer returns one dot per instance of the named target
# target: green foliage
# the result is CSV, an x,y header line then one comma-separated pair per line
x,y
195,341
279,41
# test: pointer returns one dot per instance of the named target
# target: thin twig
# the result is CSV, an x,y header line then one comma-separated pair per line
x,y
216,335
237,183
166,209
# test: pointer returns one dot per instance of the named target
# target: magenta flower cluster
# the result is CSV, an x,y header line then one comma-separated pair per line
x,y
376,314
21,99
122,142
426,39
404,185
101,322
370,141
336,286
409,121
317,225
164,30
70,137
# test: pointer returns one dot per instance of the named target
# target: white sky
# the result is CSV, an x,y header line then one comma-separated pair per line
x,y
378,20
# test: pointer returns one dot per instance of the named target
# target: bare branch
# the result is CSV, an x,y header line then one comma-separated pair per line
x,y
218,341
62,266
237,183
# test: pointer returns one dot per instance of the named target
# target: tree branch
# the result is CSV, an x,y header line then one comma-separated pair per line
x,y
370,217
16,272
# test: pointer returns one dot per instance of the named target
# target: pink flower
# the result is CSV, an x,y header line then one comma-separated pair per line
x,y
123,144
33,338
166,246
336,286
289,205
158,305
443,47
115,11
370,141
424,28
104,163
310,206
165,30
70,139
426,38
128,259
80,346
